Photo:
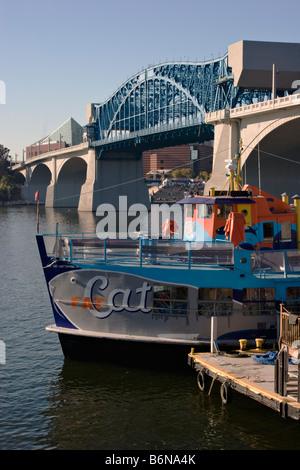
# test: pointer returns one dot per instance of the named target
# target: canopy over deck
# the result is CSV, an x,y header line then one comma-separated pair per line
x,y
215,200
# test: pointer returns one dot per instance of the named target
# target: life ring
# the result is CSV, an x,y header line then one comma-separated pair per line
x,y
201,380
225,392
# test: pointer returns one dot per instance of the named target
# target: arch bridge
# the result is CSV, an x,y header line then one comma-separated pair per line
x,y
165,105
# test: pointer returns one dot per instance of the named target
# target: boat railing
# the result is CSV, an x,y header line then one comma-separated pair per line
x,y
215,308
275,261
89,249
290,324
208,308
226,307
141,251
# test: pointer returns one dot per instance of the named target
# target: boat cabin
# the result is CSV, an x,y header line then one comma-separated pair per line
x,y
250,218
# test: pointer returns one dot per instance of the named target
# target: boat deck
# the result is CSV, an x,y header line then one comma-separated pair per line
x,y
257,381
90,250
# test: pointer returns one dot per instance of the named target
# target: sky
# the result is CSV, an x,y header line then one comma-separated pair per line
x,y
58,56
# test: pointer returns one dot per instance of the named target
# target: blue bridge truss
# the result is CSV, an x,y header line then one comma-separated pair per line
x,y
166,105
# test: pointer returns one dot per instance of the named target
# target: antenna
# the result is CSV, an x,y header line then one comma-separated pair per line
x,y
258,169
234,168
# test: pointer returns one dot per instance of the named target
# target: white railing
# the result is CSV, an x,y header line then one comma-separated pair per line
x,y
260,107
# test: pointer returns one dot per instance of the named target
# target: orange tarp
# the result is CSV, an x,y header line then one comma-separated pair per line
x,y
235,228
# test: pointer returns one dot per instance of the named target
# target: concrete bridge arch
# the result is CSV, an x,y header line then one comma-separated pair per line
x,y
272,158
19,178
71,176
36,178
269,132
40,180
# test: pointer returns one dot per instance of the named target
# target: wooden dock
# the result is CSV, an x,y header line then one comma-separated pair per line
x,y
275,386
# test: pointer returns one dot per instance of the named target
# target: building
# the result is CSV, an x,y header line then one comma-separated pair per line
x,y
68,134
164,161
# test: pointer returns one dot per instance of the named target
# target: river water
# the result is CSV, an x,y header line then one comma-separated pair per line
x,y
47,402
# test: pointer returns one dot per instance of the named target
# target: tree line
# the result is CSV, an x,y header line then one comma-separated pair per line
x,y
9,187
189,173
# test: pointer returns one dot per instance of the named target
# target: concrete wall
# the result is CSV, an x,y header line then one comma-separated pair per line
x,y
252,63
120,174
69,182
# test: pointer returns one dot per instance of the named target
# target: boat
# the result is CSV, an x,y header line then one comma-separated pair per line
x,y
224,279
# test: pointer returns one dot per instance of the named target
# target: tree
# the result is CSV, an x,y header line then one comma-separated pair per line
x,y
188,172
5,160
8,187
183,173
176,173
204,175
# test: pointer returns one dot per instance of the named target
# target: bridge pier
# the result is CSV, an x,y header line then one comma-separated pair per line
x,y
226,144
50,194
87,192
117,174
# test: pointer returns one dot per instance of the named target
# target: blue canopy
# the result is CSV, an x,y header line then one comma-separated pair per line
x,y
215,200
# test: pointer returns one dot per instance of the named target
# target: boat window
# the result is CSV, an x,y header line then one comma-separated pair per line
x,y
293,293
293,299
286,230
268,231
224,211
170,299
213,301
259,300
205,211
190,210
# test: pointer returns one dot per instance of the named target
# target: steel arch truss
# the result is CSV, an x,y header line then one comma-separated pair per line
x,y
163,98
167,95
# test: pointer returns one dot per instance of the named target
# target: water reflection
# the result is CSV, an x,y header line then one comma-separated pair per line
x,y
102,406
68,220
107,407
51,403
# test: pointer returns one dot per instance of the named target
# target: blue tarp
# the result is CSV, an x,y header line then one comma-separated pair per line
x,y
268,358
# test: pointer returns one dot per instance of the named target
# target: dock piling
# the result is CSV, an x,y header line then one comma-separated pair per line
x,y
270,383
281,372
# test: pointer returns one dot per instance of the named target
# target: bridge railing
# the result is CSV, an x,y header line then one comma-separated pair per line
x,y
117,136
259,107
